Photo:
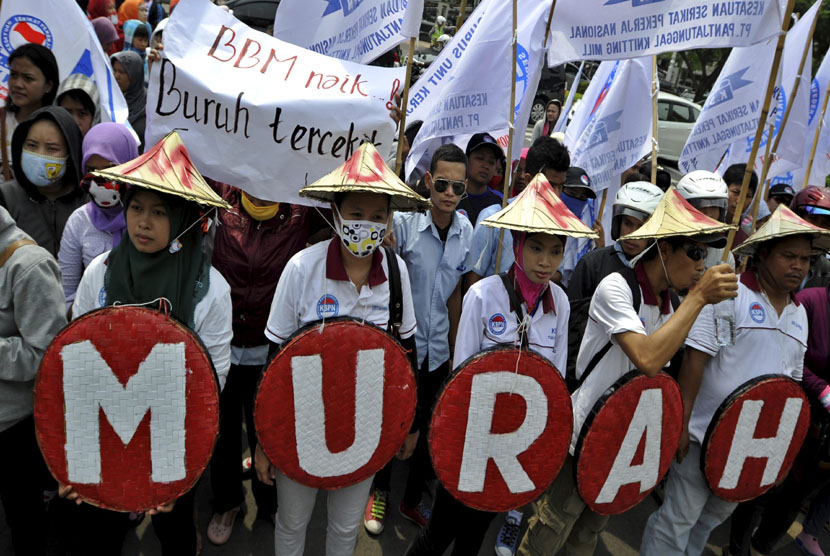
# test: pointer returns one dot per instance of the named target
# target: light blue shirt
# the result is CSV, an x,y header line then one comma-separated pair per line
x,y
485,246
434,271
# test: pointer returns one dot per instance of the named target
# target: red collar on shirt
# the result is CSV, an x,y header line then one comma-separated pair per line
x,y
336,271
547,296
649,297
750,280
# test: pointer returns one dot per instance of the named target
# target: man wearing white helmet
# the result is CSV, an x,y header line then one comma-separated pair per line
x,y
633,205
708,193
437,29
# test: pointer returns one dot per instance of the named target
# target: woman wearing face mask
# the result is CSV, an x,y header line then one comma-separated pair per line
x,y
540,223
33,83
351,269
46,157
160,256
98,226
128,69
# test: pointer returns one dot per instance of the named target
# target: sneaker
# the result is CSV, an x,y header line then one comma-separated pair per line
x,y
508,538
375,512
419,515
808,544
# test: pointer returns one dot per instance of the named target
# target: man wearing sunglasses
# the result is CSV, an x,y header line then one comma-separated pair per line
x,y
436,249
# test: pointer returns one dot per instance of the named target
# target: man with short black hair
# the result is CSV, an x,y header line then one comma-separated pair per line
x,y
483,157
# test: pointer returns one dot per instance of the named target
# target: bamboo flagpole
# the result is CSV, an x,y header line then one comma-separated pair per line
x,y
807,46
759,133
509,167
602,204
655,88
404,102
816,136
762,191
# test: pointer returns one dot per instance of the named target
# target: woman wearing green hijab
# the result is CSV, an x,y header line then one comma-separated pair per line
x,y
164,267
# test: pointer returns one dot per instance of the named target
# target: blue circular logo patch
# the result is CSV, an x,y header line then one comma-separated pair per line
x,y
757,313
102,296
21,29
327,307
497,324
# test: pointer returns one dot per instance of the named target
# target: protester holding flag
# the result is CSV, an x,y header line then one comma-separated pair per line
x,y
436,249
79,96
33,84
540,223
161,264
734,177
46,157
645,339
352,270
579,196
97,226
129,73
544,127
771,338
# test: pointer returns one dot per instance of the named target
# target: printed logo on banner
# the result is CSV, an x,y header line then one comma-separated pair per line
x,y
348,6
327,307
814,94
786,179
757,313
522,74
727,87
603,128
497,324
606,88
21,29
778,113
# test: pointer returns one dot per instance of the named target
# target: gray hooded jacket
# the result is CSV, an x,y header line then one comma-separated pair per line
x,y
31,314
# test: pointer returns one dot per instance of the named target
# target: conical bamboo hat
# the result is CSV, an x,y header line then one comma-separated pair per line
x,y
782,223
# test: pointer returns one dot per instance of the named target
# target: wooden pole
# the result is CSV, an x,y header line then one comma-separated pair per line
x,y
462,15
404,102
762,191
547,29
815,138
776,62
768,159
509,168
602,204
655,88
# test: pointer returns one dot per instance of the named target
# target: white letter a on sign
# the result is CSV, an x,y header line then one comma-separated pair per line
x,y
648,420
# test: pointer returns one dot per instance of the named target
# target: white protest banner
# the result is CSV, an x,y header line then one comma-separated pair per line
x,y
732,110
562,122
617,29
354,30
454,98
259,113
63,28
611,129
790,151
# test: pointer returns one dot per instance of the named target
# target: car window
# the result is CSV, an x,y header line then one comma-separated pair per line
x,y
681,113
662,110
695,113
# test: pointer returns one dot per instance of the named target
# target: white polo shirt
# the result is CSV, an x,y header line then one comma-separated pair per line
x,y
212,316
764,344
314,286
487,320
612,312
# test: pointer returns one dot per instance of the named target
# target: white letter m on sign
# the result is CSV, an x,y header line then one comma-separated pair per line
x,y
157,387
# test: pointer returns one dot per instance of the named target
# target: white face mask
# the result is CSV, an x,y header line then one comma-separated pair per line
x,y
114,19
42,170
361,237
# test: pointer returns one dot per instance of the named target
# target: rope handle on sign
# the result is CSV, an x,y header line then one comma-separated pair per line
x,y
524,326
164,305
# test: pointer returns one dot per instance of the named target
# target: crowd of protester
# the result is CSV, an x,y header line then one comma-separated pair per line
x,y
71,242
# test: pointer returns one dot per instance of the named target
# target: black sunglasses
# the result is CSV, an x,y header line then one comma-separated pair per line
x,y
441,184
696,252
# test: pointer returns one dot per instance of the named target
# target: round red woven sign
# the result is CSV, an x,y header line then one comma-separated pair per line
x,y
335,404
754,437
126,408
500,429
628,441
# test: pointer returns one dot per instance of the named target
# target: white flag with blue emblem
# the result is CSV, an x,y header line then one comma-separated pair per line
x,y
617,29
353,30
466,89
611,128
731,112
62,27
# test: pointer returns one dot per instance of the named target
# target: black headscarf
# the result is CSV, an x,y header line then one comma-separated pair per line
x,y
133,277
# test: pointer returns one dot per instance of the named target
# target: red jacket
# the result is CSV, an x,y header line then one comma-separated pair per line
x,y
251,255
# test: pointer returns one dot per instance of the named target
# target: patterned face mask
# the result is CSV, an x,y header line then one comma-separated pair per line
x,y
361,237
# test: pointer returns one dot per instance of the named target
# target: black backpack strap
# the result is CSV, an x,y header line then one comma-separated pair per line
x,y
631,279
395,293
517,305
